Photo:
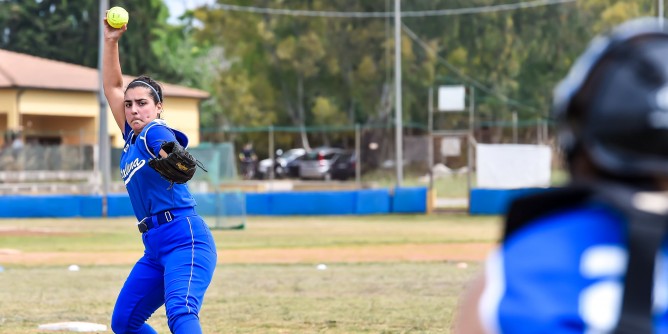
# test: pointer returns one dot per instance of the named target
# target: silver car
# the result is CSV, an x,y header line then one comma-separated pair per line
x,y
280,164
317,164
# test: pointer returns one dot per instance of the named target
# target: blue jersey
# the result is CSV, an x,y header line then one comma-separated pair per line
x,y
149,193
564,273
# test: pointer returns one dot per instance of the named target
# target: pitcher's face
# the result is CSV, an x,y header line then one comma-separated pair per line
x,y
140,109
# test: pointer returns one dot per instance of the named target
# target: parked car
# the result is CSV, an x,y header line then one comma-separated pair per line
x,y
344,166
292,167
318,163
280,163
263,168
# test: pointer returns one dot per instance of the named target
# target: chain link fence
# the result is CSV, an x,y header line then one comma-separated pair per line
x,y
365,156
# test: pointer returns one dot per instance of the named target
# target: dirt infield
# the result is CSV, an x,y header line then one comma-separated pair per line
x,y
377,253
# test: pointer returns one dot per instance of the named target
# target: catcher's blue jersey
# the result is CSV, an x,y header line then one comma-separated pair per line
x,y
149,192
564,274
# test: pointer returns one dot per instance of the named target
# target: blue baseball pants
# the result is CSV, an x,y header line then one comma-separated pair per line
x,y
176,269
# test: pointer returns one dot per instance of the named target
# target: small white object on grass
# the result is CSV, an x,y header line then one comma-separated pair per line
x,y
73,267
74,326
2,269
321,266
462,265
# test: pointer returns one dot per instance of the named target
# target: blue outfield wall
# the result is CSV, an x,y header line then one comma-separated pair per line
x,y
496,201
41,206
119,205
355,202
409,200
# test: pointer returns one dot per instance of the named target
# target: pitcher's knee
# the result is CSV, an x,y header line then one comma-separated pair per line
x,y
124,324
119,325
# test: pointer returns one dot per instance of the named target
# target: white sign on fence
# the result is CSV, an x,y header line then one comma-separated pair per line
x,y
451,147
512,166
451,98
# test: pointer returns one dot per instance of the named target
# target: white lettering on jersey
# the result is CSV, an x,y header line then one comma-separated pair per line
x,y
600,303
131,168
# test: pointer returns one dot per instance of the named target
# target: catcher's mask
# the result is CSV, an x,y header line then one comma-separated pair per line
x,y
614,101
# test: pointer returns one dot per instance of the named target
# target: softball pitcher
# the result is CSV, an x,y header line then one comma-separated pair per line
x,y
180,255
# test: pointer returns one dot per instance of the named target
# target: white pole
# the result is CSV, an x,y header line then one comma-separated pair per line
x,y
430,129
270,171
397,99
660,14
471,144
104,151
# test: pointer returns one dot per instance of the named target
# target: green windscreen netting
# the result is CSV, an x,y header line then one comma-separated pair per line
x,y
222,209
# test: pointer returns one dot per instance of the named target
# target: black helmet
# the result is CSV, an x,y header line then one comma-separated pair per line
x,y
614,101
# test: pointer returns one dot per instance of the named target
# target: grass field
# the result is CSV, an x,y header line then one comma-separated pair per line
x,y
386,274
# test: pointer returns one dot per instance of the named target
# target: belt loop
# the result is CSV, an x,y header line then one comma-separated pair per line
x,y
168,216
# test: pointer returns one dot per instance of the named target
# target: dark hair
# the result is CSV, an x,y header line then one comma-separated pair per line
x,y
147,82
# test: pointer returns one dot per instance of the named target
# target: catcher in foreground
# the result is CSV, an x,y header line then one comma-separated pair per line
x,y
180,254
592,257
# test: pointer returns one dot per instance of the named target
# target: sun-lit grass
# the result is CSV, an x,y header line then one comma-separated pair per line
x,y
345,298
104,235
349,297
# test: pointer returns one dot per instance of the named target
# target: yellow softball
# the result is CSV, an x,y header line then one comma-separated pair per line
x,y
117,17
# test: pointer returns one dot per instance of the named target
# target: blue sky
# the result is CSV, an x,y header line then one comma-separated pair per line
x,y
178,7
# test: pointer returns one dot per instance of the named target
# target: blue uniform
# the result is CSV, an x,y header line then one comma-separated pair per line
x,y
180,255
564,273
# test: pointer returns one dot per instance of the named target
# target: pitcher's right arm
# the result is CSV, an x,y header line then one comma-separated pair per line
x,y
112,77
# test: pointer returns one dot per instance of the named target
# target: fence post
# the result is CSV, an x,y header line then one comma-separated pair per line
x,y
82,159
358,162
271,152
430,146
514,127
471,140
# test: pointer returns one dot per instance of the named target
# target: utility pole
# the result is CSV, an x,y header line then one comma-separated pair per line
x,y
104,150
398,121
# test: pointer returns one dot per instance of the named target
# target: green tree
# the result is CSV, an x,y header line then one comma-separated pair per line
x,y
54,29
265,69
67,30
148,21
